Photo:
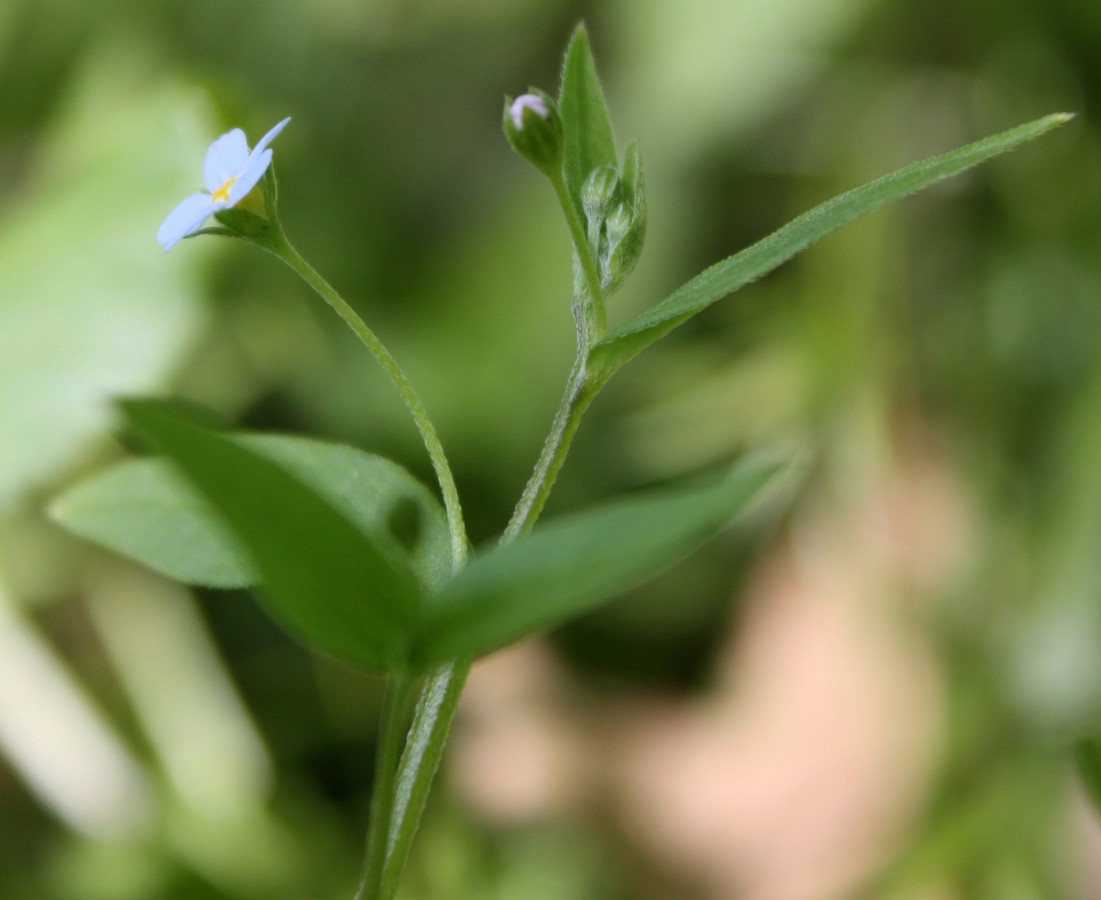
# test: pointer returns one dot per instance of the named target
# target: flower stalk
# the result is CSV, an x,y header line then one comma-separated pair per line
x,y
275,241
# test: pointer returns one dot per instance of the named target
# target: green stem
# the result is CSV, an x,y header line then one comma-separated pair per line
x,y
440,696
596,319
276,242
575,401
395,704
436,706
406,784
403,778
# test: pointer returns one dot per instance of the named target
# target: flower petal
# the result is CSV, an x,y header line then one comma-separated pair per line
x,y
269,137
254,171
188,216
225,159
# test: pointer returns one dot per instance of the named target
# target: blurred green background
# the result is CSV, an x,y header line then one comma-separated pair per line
x,y
873,697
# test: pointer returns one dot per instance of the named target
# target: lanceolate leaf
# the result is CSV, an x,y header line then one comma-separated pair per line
x,y
573,565
761,258
335,586
145,510
587,128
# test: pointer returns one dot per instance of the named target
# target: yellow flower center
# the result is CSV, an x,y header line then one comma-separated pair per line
x,y
222,194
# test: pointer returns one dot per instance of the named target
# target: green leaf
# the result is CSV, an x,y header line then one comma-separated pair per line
x,y
573,565
333,585
761,258
588,129
144,510
1087,754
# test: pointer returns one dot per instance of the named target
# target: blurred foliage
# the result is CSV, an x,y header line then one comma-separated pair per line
x,y
964,323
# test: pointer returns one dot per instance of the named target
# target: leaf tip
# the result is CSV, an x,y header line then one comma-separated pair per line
x,y
1054,120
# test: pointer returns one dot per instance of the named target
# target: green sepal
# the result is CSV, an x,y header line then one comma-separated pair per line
x,y
215,230
245,224
269,186
334,586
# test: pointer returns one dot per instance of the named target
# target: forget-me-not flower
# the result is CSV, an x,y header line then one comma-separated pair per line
x,y
231,170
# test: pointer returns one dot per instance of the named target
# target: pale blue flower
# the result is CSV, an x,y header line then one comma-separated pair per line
x,y
231,170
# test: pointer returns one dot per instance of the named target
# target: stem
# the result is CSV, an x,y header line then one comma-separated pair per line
x,y
396,701
403,778
424,747
402,785
276,242
440,695
553,455
596,317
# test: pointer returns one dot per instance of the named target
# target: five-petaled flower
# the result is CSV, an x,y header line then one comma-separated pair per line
x,y
229,173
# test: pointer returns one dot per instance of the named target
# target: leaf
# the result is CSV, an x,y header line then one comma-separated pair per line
x,y
736,271
587,128
145,510
573,565
333,585
1087,755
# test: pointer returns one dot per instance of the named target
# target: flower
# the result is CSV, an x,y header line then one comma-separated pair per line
x,y
229,173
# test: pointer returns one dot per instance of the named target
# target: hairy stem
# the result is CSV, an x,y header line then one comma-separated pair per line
x,y
440,695
278,244
424,747
575,401
402,785
595,323
395,704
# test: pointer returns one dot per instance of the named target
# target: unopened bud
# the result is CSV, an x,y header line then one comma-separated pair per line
x,y
527,101
534,129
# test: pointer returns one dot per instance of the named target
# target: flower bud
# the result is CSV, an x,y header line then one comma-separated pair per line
x,y
599,192
625,225
534,129
625,231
